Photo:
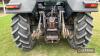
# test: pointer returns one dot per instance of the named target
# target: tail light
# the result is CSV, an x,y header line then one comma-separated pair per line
x,y
91,5
13,6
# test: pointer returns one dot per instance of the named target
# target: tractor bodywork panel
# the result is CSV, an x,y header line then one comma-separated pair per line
x,y
27,6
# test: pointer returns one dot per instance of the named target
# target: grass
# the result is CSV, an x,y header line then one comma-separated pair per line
x,y
1,4
8,47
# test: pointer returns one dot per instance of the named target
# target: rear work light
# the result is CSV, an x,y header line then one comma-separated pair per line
x,y
90,4
13,6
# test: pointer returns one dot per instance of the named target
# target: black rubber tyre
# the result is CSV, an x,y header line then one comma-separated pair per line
x,y
21,32
82,31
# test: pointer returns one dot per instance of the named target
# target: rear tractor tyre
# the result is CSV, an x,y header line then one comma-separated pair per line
x,y
21,32
82,31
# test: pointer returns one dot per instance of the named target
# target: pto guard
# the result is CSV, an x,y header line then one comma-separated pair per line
x,y
26,6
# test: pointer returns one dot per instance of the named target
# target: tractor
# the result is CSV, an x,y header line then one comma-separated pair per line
x,y
52,19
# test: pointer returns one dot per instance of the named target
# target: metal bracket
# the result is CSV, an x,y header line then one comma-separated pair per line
x,y
65,32
37,33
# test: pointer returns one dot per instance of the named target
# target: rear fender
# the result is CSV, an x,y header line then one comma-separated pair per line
x,y
78,6
27,6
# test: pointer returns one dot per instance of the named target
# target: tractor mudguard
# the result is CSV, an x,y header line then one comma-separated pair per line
x,y
26,6
78,5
